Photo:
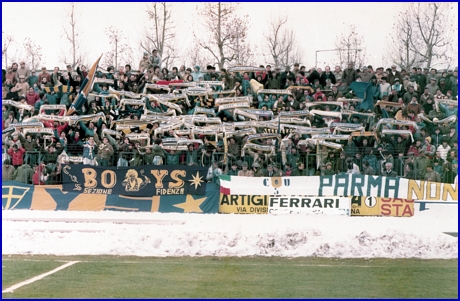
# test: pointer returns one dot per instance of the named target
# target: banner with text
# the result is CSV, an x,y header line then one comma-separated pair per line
x,y
52,197
340,185
295,204
375,206
276,204
244,204
140,181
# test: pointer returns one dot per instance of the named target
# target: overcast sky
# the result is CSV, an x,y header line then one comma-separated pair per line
x,y
316,26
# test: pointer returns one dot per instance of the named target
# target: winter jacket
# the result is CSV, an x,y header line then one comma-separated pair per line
x,y
23,174
17,157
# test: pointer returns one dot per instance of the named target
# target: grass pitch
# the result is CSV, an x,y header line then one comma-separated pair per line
x,y
229,277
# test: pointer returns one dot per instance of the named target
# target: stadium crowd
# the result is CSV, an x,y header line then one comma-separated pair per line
x,y
409,128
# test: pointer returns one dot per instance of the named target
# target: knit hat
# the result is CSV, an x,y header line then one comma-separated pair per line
x,y
197,67
244,164
428,139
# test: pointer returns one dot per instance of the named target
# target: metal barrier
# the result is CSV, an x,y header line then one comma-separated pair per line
x,y
314,164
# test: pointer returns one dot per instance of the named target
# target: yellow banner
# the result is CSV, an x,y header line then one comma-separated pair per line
x,y
376,206
44,198
243,204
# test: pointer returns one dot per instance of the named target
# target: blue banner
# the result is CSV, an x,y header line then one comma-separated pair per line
x,y
52,197
16,195
140,181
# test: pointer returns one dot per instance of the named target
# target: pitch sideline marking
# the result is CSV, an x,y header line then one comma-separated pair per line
x,y
39,277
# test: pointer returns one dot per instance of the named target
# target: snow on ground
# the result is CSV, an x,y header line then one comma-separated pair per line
x,y
174,234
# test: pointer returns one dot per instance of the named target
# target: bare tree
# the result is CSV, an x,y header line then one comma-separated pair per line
x,y
224,33
7,40
431,21
452,59
399,50
121,51
281,43
72,35
244,50
33,52
350,47
195,56
160,34
423,35
246,54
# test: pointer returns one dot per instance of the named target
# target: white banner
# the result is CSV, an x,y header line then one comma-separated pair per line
x,y
340,185
295,204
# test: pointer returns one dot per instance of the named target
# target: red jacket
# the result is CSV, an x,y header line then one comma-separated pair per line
x,y
36,177
50,124
16,157
319,96
32,98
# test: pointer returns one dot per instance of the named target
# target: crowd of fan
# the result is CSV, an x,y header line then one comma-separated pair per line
x,y
432,156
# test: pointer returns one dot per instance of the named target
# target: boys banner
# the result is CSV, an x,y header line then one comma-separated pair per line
x,y
340,185
135,181
52,197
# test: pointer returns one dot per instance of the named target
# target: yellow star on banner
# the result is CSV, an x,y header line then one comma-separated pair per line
x,y
197,180
191,205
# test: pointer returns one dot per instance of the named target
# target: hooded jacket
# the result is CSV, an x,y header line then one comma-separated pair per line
x,y
23,174
196,75
157,151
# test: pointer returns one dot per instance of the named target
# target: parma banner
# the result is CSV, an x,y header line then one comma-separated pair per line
x,y
141,181
341,185
52,197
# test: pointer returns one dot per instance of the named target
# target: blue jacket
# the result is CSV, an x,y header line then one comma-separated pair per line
x,y
90,153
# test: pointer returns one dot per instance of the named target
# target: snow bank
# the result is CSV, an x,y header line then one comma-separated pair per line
x,y
173,234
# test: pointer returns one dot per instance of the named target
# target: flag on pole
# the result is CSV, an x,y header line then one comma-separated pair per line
x,y
85,88
225,184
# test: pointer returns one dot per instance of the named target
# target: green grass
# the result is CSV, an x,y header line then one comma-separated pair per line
x,y
454,234
23,269
230,277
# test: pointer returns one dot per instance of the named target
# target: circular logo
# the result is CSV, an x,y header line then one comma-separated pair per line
x,y
370,201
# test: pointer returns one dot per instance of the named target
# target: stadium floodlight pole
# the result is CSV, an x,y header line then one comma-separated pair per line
x,y
337,49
